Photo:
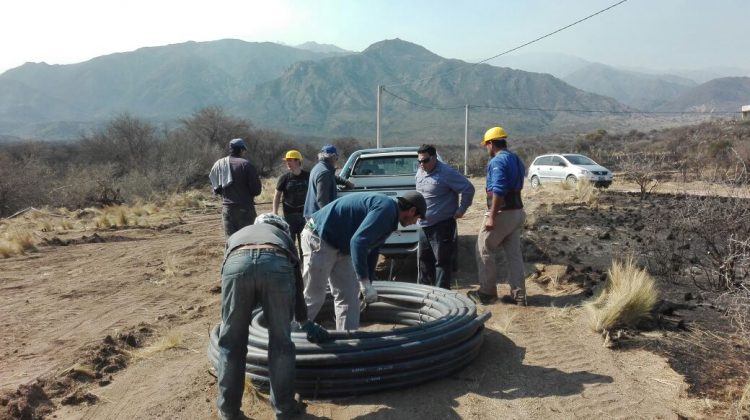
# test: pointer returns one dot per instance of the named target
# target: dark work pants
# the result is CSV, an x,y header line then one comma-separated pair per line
x,y
435,254
296,223
236,217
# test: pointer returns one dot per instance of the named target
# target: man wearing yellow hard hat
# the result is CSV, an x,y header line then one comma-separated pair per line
x,y
502,222
291,190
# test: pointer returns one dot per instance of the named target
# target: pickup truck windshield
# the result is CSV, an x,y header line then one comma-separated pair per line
x,y
386,166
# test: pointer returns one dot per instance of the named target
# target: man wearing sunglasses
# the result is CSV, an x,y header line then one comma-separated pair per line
x,y
441,186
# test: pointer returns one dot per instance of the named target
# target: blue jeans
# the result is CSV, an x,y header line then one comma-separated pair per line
x,y
235,218
253,277
435,253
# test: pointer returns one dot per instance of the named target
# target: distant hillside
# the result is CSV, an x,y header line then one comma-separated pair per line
x,y
638,90
294,90
165,82
558,65
337,96
727,94
322,48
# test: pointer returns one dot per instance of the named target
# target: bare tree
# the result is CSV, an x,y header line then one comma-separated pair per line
x,y
126,140
643,169
212,125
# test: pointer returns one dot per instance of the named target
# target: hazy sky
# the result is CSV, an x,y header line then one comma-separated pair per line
x,y
656,34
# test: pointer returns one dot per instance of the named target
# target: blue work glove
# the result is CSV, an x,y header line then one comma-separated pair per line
x,y
315,333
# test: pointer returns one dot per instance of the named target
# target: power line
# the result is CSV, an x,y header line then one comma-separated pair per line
x,y
515,48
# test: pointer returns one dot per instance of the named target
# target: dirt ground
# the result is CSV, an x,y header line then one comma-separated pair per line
x,y
116,327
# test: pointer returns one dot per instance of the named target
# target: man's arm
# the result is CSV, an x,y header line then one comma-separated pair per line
x,y
253,181
344,182
497,203
461,185
276,201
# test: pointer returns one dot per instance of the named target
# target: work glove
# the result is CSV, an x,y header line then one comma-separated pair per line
x,y
369,293
315,333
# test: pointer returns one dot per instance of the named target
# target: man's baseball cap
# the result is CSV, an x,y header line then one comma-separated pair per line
x,y
329,149
237,144
416,200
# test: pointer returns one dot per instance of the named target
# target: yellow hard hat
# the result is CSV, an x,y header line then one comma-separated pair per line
x,y
494,133
293,154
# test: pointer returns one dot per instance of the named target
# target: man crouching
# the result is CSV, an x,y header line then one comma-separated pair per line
x,y
261,267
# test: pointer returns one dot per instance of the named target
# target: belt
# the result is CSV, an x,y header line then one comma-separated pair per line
x,y
260,247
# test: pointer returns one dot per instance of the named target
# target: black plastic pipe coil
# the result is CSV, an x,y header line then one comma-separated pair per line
x,y
442,334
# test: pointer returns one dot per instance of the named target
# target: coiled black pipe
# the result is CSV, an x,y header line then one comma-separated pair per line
x,y
441,334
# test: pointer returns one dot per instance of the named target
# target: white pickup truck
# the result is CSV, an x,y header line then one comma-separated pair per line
x,y
389,171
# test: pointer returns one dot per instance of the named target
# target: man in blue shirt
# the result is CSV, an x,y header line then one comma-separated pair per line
x,y
340,244
440,185
502,223
323,180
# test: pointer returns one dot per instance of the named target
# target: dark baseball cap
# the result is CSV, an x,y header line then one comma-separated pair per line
x,y
237,144
329,149
416,200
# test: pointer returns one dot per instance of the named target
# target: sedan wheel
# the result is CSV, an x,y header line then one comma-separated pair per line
x,y
571,179
535,181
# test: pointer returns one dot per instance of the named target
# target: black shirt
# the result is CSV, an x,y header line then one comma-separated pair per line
x,y
294,190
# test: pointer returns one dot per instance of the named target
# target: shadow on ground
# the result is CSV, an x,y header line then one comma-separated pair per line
x,y
498,373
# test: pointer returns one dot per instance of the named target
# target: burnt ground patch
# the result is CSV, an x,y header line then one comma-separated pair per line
x,y
688,327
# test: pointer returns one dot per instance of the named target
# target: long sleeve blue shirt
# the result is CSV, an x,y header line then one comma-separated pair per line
x,y
357,224
505,173
440,189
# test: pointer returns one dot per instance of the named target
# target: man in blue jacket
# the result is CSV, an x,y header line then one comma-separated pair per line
x,y
502,222
322,185
341,244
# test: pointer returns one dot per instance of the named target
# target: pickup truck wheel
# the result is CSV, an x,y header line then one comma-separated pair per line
x,y
535,182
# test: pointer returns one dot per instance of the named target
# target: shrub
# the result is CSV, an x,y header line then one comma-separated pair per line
x,y
626,299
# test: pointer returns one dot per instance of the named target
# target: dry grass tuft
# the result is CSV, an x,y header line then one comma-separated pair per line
x,y
505,322
170,341
189,200
16,241
627,298
587,193
743,405
170,265
267,191
102,222
561,315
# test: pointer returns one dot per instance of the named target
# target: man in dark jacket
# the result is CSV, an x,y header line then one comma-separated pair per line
x,y
237,181
261,268
341,244
323,180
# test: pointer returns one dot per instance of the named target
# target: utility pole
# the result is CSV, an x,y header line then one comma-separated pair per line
x,y
377,117
466,142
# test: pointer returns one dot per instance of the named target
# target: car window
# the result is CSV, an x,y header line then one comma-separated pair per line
x,y
543,160
579,160
557,160
386,165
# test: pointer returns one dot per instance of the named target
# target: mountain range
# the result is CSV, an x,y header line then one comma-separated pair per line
x,y
322,90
